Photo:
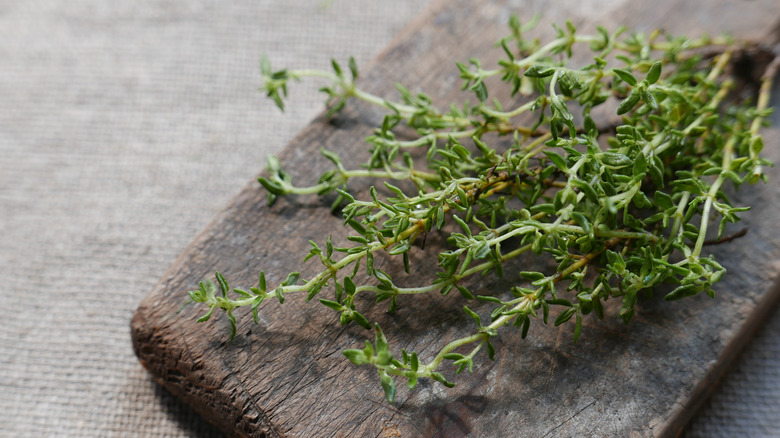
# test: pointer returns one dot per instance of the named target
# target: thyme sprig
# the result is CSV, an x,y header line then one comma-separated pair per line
x,y
620,209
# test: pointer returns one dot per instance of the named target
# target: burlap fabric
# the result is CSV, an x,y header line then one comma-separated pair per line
x,y
125,126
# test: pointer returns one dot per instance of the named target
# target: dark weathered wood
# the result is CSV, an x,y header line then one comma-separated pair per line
x,y
287,377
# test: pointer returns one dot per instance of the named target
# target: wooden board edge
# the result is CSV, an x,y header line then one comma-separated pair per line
x,y
736,345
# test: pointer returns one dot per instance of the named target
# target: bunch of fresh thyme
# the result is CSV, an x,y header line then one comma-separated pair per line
x,y
620,209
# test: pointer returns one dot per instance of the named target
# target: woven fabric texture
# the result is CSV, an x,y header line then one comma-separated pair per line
x,y
125,126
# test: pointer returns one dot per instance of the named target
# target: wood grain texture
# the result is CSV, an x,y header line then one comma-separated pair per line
x,y
287,377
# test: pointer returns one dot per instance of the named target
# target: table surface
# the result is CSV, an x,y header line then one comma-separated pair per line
x,y
124,128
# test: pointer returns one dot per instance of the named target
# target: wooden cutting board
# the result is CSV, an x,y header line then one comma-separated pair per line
x,y
287,376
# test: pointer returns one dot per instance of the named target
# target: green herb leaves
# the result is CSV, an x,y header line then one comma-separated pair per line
x,y
618,209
